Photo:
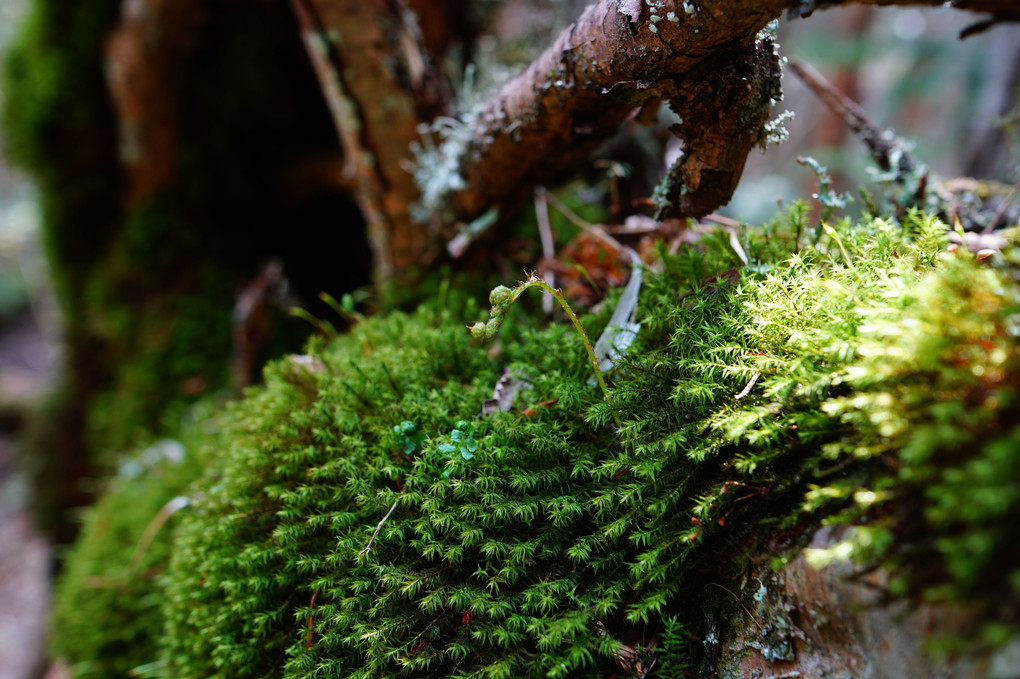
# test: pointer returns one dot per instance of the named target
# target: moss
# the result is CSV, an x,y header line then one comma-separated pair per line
x,y
106,615
870,380
59,125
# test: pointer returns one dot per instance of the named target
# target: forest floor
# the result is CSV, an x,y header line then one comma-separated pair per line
x,y
26,370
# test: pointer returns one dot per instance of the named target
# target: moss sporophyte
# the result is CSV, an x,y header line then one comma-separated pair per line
x,y
502,298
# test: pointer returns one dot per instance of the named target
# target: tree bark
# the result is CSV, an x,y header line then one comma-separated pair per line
x,y
618,55
145,58
380,84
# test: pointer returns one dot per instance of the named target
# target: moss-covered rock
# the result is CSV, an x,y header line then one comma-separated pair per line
x,y
357,518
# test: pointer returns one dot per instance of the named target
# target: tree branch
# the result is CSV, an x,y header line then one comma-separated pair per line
x,y
617,56
707,58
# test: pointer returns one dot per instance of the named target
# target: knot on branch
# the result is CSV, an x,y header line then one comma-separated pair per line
x,y
722,118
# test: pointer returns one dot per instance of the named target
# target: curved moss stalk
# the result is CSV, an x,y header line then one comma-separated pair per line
x,y
502,298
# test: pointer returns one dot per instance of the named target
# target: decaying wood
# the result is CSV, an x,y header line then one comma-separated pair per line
x,y
616,57
376,64
722,117
706,57
812,621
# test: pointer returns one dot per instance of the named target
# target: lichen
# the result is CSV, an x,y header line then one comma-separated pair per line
x,y
775,130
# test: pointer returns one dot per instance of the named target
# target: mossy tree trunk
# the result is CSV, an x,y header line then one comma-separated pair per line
x,y
230,135
179,147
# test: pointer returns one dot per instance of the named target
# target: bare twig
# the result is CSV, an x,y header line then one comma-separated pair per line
x,y
747,389
884,147
592,229
999,213
614,58
162,516
378,528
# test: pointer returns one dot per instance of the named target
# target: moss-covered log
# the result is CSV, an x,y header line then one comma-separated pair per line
x,y
358,518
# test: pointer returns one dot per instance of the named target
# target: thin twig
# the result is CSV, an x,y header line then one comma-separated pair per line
x,y
747,390
739,602
578,221
378,528
1002,208
881,144
149,534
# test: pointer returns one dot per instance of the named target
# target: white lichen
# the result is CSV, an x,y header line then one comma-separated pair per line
x,y
437,165
769,32
775,129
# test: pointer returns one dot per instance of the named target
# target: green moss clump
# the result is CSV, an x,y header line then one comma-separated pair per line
x,y
107,611
357,519
59,125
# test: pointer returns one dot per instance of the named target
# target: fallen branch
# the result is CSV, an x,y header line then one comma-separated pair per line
x,y
709,59
618,56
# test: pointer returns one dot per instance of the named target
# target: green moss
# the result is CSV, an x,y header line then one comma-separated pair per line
x,y
107,614
147,290
869,380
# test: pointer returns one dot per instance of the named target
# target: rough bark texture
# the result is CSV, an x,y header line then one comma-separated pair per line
x,y
722,114
817,622
379,84
618,55
615,57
